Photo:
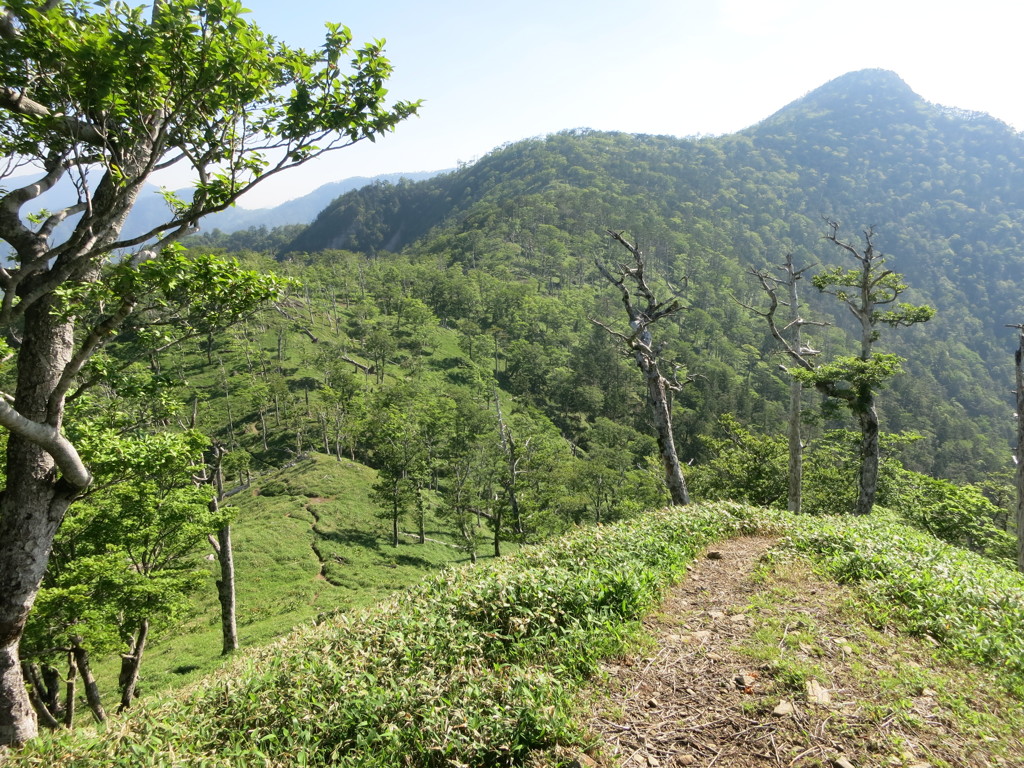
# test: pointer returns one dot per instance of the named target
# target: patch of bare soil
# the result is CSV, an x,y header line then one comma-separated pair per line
x,y
754,665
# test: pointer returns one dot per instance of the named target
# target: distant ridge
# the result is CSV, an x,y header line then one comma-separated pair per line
x,y
301,210
151,209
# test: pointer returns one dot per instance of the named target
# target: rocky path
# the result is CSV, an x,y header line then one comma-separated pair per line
x,y
754,665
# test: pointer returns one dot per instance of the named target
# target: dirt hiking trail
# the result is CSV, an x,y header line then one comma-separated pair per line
x,y
755,663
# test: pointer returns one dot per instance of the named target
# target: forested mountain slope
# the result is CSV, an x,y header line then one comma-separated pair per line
x,y
941,188
449,368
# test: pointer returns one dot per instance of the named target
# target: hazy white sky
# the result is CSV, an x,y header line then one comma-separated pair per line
x,y
491,73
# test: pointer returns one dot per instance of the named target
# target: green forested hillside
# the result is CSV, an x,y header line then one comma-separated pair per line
x,y
438,350
940,187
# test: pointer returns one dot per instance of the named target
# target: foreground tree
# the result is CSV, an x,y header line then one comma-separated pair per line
x,y
127,555
643,311
101,98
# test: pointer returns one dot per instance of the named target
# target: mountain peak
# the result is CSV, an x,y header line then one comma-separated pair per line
x,y
875,94
874,79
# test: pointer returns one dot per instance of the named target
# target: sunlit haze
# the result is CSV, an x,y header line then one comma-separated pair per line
x,y
494,73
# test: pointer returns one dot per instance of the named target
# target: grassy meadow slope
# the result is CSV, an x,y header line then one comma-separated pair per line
x,y
308,543
483,666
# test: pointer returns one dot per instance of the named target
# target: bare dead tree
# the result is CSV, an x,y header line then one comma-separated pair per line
x,y
643,310
796,348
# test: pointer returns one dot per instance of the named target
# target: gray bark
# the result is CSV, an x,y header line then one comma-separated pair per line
x,y
31,507
509,482
640,342
794,496
92,691
226,591
496,519
226,559
661,416
69,692
37,694
799,353
867,483
131,663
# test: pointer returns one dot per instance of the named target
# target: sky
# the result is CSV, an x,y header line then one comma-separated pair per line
x,y
493,73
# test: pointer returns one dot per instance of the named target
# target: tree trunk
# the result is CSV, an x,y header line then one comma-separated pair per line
x,y
263,428
130,665
796,447
641,343
508,445
794,496
513,504
37,694
69,692
31,508
52,684
661,415
497,532
867,485
421,517
225,558
226,591
92,691
1019,357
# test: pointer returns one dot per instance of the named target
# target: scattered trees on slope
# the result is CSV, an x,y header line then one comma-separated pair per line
x,y
1019,457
